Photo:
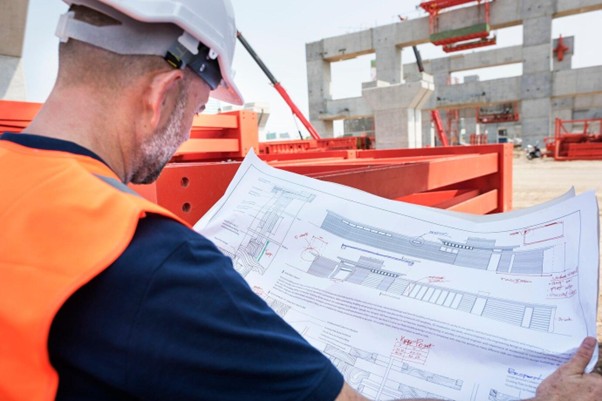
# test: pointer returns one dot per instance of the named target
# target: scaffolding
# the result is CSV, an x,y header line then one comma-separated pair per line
x,y
498,113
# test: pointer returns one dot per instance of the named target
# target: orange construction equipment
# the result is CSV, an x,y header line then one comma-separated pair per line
x,y
478,139
14,116
453,126
436,117
473,179
470,37
316,145
503,112
576,140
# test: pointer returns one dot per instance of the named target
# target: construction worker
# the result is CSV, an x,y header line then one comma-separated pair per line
x,y
106,296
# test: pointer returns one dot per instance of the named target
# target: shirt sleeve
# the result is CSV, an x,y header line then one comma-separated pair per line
x,y
196,331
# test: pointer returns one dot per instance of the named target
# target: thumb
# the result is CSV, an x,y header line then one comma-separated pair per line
x,y
576,365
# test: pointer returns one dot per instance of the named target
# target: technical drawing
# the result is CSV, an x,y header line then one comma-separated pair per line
x,y
404,301
415,351
312,247
272,212
495,395
431,377
475,253
247,258
384,379
281,308
266,229
412,392
369,272
402,259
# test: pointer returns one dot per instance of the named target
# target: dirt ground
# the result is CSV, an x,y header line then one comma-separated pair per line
x,y
536,181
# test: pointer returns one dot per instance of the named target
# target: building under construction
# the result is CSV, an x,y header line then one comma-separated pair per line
x,y
405,106
398,104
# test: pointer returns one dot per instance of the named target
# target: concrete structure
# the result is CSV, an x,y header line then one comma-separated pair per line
x,y
548,88
397,108
12,32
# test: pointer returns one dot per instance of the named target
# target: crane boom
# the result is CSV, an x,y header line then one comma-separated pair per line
x,y
279,88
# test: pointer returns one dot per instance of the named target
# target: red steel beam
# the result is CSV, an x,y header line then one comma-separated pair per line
x,y
190,189
474,179
392,181
442,199
480,204
436,5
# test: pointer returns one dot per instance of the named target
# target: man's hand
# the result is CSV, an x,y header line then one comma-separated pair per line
x,y
567,383
570,382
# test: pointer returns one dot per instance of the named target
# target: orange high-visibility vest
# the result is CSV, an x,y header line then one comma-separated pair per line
x,y
64,218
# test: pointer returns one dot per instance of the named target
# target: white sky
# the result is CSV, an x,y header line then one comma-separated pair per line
x,y
278,31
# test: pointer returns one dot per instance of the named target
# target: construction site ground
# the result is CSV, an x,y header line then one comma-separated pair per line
x,y
538,180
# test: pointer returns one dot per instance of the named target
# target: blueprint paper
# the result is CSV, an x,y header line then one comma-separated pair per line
x,y
411,301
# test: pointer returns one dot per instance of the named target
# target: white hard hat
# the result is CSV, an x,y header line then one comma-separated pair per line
x,y
200,34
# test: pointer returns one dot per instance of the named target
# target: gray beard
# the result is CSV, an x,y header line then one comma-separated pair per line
x,y
158,150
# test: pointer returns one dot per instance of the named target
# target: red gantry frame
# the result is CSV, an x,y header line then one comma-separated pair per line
x,y
465,38
472,179
576,140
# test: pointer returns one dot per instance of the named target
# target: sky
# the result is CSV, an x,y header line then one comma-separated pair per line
x,y
278,31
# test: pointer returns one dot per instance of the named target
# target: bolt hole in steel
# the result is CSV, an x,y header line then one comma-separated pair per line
x,y
185,181
186,207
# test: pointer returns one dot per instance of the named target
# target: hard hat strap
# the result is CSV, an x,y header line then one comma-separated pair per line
x,y
202,63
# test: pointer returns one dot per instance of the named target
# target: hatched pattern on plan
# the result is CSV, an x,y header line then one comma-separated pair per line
x,y
370,272
528,262
475,253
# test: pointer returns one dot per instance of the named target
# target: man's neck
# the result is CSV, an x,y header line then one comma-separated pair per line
x,y
73,115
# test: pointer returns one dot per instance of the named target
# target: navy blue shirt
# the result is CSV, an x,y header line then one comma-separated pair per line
x,y
172,320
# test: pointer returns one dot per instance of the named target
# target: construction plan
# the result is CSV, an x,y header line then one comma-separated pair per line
x,y
409,301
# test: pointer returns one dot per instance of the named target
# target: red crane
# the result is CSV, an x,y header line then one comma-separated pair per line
x,y
312,131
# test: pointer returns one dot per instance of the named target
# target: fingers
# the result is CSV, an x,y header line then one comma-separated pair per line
x,y
579,361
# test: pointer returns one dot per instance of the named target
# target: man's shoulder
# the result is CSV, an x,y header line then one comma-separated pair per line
x,y
157,237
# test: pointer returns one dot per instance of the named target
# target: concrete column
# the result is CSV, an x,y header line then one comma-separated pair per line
x,y
318,87
563,108
12,78
470,122
536,82
389,67
12,32
397,111
440,69
428,132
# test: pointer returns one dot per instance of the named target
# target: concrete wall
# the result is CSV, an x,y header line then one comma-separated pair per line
x,y
12,78
12,26
12,32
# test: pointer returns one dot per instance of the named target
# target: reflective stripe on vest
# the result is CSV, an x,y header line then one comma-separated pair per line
x,y
61,225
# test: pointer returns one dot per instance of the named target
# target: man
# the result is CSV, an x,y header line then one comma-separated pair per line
x,y
106,296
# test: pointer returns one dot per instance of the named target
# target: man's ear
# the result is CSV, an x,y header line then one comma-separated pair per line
x,y
161,95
